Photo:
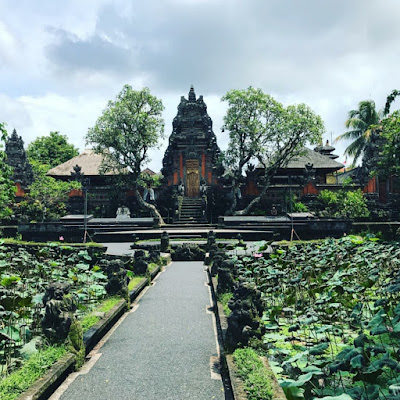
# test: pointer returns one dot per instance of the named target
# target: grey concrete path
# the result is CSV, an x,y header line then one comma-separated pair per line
x,y
161,350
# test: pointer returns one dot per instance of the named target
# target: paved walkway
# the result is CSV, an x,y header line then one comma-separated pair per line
x,y
162,350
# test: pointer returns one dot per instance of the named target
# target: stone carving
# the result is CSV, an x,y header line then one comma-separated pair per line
x,y
244,321
225,277
188,253
58,315
203,188
309,172
123,213
140,266
217,257
211,239
154,256
181,188
164,241
17,159
117,281
77,174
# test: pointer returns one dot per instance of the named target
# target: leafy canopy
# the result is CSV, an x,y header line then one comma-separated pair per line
x,y
360,124
127,129
262,129
47,196
390,153
51,150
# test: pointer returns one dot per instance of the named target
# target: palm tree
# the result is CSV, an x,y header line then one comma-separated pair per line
x,y
360,123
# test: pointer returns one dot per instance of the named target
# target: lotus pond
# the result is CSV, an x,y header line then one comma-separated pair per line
x,y
331,317
25,271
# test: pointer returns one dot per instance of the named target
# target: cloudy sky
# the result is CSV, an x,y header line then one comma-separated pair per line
x,y
61,61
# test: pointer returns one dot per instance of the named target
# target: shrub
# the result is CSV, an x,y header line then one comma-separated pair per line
x,y
342,204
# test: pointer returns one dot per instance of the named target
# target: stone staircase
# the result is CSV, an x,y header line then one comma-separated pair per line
x,y
191,211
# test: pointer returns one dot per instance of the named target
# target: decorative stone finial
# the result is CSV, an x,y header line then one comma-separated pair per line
x,y
192,94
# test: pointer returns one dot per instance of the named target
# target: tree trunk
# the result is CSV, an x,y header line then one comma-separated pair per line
x,y
255,201
153,210
246,210
234,202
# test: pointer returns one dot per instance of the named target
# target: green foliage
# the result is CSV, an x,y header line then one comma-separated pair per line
x,y
88,321
224,298
360,124
108,304
134,281
51,150
260,128
7,186
342,204
335,304
19,381
152,180
47,197
91,318
128,127
46,244
124,133
295,205
329,198
251,369
390,99
390,153
25,272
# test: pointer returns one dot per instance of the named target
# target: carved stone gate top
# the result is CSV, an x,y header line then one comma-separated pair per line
x,y
192,153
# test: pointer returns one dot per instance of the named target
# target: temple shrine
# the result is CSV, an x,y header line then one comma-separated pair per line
x,y
192,156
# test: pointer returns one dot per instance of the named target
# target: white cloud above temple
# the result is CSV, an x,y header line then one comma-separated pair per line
x,y
60,62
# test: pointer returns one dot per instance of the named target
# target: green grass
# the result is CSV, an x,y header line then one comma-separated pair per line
x,y
185,240
257,381
224,298
20,380
90,319
25,243
152,266
134,281
297,242
108,304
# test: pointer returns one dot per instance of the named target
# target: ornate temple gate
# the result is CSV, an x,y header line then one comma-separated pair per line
x,y
192,178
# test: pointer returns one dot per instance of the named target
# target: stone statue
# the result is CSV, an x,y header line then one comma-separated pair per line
x,y
309,172
116,274
203,188
123,213
141,265
181,188
244,322
58,314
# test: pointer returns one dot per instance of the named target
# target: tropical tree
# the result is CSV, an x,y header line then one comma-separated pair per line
x,y
361,123
129,126
262,129
47,197
51,150
390,99
7,186
389,156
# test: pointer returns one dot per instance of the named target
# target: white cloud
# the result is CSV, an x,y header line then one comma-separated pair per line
x,y
62,61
